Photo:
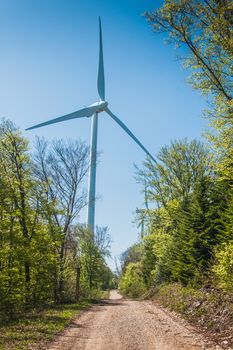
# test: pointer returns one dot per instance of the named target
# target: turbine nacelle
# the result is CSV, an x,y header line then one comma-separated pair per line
x,y
101,106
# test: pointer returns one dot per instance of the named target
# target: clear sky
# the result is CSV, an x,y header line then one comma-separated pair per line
x,y
48,68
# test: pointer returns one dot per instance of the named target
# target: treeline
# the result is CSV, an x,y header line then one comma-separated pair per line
x,y
45,255
188,235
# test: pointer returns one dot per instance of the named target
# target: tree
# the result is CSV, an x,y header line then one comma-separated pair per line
x,y
61,168
187,223
22,192
131,283
205,28
40,252
179,168
190,186
26,253
223,267
102,240
92,250
132,255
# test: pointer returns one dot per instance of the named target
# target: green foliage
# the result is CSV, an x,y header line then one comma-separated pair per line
x,y
59,168
26,248
206,306
156,257
36,328
149,260
179,168
131,283
177,297
223,267
191,185
40,254
95,274
205,29
132,255
187,226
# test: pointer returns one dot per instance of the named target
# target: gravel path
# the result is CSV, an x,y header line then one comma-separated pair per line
x,y
119,324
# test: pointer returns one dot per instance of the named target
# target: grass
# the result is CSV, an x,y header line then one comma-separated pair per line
x,y
38,327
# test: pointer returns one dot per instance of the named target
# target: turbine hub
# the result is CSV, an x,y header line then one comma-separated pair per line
x,y
101,106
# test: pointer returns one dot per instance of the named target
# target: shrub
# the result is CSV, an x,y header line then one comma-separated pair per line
x,y
223,268
131,283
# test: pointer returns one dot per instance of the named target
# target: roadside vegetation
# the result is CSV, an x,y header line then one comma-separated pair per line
x,y
184,257
50,265
36,327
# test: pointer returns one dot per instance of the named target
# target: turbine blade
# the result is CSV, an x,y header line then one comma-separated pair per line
x,y
126,129
85,112
100,82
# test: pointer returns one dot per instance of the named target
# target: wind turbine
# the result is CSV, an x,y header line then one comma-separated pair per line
x,y
92,112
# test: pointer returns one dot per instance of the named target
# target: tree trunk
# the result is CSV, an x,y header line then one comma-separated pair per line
x,y
77,291
27,283
61,274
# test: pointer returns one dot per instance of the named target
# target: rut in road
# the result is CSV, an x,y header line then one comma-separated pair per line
x,y
118,324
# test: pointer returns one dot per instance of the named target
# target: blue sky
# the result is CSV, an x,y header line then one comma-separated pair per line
x,y
48,68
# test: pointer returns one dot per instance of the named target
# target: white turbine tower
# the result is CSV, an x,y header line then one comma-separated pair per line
x,y
93,111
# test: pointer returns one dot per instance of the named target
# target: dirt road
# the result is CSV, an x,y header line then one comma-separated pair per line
x,y
118,324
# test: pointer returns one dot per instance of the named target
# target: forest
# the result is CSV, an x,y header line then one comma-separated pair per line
x,y
185,251
45,255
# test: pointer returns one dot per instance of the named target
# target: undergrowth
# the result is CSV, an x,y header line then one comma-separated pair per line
x,y
209,308
37,327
